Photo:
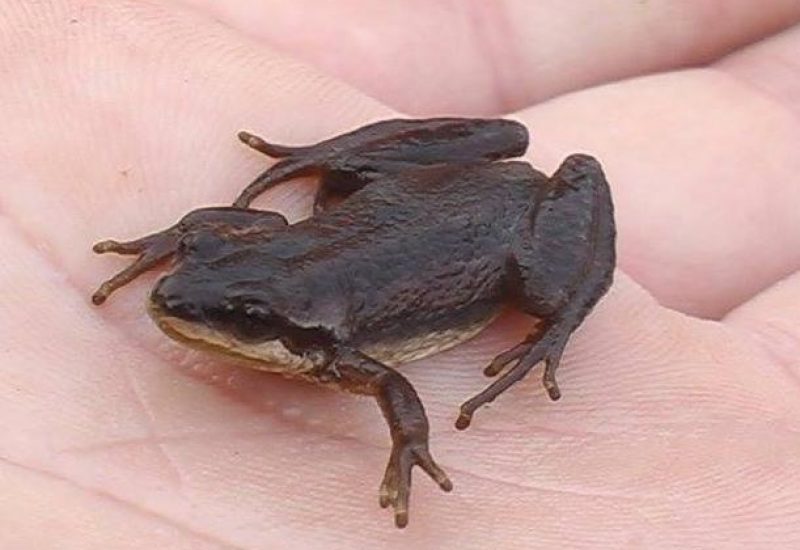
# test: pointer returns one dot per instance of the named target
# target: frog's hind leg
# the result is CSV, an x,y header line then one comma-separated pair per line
x,y
295,162
562,262
352,160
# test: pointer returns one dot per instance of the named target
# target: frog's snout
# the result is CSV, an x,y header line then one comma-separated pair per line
x,y
167,299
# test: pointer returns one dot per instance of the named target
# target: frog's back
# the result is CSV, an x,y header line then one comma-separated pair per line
x,y
417,259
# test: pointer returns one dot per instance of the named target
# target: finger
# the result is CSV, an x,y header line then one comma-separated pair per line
x,y
772,67
489,57
703,168
773,319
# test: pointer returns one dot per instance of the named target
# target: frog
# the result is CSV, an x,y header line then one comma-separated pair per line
x,y
423,231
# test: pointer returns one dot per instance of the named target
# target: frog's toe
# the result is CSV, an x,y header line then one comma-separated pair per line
x,y
117,247
549,378
516,353
499,363
152,250
396,486
270,149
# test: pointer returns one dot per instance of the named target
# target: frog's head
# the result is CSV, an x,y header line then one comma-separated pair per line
x,y
212,300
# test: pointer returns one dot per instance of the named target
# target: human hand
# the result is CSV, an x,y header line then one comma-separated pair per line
x,y
673,430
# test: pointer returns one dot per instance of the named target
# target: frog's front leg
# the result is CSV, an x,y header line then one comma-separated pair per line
x,y
157,247
408,425
348,162
562,263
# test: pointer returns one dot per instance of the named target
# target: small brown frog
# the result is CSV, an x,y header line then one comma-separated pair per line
x,y
421,235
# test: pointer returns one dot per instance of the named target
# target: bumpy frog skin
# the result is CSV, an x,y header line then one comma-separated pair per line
x,y
422,233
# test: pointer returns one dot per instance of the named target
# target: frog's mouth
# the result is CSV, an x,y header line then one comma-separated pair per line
x,y
269,355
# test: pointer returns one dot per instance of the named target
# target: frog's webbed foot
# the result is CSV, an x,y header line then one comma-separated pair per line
x,y
152,250
546,346
158,247
396,485
408,426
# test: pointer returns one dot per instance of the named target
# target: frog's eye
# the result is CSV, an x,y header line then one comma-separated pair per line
x,y
200,244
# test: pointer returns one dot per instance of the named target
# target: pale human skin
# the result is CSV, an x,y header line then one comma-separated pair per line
x,y
680,418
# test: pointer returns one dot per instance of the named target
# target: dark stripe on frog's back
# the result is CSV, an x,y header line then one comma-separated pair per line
x,y
416,254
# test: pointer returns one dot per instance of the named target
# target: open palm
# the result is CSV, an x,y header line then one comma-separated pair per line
x,y
679,421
